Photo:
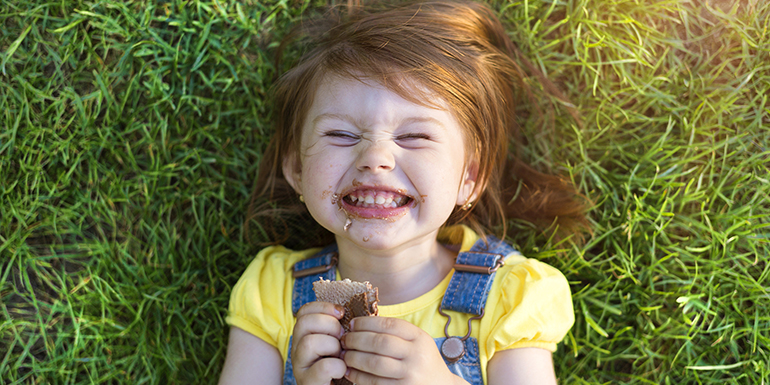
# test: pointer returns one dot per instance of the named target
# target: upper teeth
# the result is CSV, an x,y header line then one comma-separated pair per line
x,y
367,198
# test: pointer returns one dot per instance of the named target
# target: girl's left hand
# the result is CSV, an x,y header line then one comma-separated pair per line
x,y
380,350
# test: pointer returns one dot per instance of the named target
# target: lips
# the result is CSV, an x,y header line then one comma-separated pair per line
x,y
370,202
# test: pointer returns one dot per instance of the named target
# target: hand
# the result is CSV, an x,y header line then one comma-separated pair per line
x,y
380,350
315,350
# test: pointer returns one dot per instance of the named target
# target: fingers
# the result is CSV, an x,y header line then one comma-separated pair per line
x,y
392,326
321,308
313,347
376,348
318,318
324,370
382,344
380,350
316,347
374,364
363,378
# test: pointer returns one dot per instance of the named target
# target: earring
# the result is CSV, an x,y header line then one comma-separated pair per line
x,y
467,206
301,198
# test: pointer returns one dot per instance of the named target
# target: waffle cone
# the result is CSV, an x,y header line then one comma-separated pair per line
x,y
358,298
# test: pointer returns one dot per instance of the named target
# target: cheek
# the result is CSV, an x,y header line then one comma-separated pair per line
x,y
320,175
318,183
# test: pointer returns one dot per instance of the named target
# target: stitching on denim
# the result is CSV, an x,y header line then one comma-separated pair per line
x,y
302,292
478,295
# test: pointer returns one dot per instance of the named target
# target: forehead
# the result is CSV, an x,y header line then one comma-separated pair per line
x,y
405,87
368,98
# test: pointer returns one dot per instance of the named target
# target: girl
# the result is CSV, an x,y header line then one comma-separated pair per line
x,y
392,133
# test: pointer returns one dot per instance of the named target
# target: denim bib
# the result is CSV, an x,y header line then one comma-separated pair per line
x,y
467,293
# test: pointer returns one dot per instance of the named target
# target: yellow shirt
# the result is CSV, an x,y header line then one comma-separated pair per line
x,y
529,304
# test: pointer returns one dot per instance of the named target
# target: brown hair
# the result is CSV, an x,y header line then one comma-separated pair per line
x,y
456,50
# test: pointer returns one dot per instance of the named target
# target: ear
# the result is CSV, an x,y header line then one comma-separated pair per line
x,y
469,189
292,171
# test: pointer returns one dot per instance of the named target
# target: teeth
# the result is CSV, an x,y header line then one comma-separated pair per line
x,y
373,199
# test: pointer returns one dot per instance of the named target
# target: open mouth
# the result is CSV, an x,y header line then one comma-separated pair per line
x,y
376,199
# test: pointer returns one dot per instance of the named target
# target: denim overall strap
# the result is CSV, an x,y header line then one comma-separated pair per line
x,y
467,292
474,272
321,265
305,272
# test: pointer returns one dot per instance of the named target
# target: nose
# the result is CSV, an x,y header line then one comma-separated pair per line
x,y
375,157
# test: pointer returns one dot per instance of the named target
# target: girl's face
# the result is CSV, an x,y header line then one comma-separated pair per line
x,y
377,170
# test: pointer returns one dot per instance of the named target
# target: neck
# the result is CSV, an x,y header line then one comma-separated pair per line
x,y
400,275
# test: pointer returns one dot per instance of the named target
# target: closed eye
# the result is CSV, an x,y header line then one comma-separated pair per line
x,y
413,140
342,137
413,136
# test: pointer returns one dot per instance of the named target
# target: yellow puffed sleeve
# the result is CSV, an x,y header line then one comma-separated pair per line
x,y
531,307
260,302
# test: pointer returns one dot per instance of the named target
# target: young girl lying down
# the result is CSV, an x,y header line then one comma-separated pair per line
x,y
393,133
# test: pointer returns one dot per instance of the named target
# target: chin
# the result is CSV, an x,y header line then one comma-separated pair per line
x,y
377,239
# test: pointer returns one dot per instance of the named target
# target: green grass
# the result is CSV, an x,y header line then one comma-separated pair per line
x,y
130,135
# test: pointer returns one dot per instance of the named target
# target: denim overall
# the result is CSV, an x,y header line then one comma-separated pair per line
x,y
467,293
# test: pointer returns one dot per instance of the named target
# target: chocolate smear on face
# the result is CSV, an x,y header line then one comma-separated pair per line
x,y
337,200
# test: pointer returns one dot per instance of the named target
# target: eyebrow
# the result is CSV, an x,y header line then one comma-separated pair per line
x,y
348,118
423,119
321,117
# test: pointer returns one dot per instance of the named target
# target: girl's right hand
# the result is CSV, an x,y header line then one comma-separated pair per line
x,y
315,348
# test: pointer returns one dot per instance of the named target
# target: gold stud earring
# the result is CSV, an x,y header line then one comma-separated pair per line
x,y
467,206
301,198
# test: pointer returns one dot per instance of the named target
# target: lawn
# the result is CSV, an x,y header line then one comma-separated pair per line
x,y
130,134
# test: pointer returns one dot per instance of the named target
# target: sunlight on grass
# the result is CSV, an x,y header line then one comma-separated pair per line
x,y
130,134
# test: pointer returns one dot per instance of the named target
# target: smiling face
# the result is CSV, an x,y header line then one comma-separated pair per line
x,y
377,170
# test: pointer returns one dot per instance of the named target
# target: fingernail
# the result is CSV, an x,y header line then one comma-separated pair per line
x,y
352,324
339,311
342,342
